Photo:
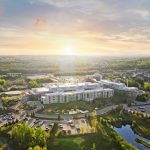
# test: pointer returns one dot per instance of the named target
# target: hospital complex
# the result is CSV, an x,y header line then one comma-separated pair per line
x,y
86,91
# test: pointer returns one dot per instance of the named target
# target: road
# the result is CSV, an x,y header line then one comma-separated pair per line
x,y
144,109
106,109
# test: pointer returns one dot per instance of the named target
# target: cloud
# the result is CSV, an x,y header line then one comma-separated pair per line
x,y
84,6
64,3
109,23
40,22
142,13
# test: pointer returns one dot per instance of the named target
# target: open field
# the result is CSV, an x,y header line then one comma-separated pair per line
x,y
73,143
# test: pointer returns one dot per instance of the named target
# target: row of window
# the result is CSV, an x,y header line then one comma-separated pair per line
x,y
66,98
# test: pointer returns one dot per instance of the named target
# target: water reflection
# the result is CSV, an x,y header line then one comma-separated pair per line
x,y
127,133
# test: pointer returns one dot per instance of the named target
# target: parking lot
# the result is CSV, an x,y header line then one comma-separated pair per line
x,y
144,109
78,126
44,124
72,127
7,118
11,117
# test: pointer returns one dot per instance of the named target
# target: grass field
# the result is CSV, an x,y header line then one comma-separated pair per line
x,y
71,143
84,142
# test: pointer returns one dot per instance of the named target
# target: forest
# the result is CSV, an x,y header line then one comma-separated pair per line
x,y
69,65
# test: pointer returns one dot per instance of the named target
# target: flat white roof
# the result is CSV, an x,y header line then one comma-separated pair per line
x,y
111,82
13,92
130,88
42,89
71,84
78,92
121,86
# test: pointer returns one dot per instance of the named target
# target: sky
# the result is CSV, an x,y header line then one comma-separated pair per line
x,y
75,27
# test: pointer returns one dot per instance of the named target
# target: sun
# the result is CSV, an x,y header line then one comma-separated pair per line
x,y
67,51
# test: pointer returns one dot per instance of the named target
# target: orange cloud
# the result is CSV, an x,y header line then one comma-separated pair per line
x,y
39,22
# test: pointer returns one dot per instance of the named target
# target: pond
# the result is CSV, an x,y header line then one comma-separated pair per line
x,y
127,133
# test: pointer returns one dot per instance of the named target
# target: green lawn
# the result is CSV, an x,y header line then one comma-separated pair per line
x,y
71,143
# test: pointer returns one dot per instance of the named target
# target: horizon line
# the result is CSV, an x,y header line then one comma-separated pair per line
x,y
75,55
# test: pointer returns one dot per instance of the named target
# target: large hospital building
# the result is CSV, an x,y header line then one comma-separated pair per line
x,y
61,93
86,91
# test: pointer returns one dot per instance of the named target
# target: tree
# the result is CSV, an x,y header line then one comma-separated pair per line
x,y
64,132
33,97
2,81
37,148
40,137
147,86
59,117
23,137
140,80
134,124
94,147
14,87
132,82
69,132
82,129
33,84
94,120
1,88
143,97
2,147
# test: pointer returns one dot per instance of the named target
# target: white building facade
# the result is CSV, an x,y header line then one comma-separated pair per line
x,y
77,92
121,89
89,95
61,93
